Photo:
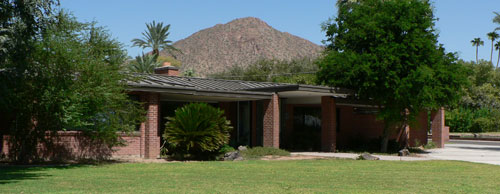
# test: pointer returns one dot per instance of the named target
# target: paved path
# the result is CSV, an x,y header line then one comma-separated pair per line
x,y
354,156
487,152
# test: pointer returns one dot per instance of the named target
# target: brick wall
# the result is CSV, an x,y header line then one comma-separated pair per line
x,y
328,124
73,145
438,129
418,130
271,123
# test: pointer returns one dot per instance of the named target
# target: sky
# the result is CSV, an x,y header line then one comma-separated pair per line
x,y
459,20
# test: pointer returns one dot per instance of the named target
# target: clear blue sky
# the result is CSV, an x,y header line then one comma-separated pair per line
x,y
459,20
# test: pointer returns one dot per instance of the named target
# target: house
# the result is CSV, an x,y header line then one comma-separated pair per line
x,y
288,116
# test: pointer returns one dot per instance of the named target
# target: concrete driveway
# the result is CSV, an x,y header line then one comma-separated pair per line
x,y
487,152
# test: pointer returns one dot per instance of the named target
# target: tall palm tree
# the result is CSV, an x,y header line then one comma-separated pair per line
x,y
497,47
477,42
144,64
155,37
496,19
492,36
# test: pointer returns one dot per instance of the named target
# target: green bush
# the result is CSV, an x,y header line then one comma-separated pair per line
x,y
226,148
473,120
197,130
258,152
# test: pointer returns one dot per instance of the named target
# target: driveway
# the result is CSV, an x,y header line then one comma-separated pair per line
x,y
487,152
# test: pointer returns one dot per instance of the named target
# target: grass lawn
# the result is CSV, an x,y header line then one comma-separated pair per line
x,y
305,176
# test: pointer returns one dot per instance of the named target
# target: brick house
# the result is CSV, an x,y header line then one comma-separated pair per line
x,y
288,116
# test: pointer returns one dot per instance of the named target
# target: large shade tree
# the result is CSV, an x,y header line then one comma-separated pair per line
x,y
58,74
388,53
156,38
476,42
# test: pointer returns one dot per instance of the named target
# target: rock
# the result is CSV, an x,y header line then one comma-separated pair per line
x,y
366,156
239,158
242,148
230,156
404,152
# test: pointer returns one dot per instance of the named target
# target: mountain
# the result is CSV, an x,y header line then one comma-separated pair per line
x,y
240,42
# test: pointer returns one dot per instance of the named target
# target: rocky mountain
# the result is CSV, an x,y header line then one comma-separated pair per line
x,y
240,42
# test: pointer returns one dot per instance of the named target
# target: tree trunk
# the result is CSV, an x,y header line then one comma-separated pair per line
x,y
491,56
477,48
498,60
385,139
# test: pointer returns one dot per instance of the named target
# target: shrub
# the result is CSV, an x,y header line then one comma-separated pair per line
x,y
258,152
197,129
430,145
226,148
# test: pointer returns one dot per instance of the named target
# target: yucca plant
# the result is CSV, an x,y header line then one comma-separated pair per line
x,y
197,129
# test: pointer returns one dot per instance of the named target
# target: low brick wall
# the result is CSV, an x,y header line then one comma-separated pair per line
x,y
73,145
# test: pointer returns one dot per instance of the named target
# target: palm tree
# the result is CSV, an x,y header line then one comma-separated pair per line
x,y
144,64
155,37
496,19
477,42
497,47
492,36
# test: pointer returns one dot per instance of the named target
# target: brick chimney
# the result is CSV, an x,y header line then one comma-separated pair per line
x,y
167,69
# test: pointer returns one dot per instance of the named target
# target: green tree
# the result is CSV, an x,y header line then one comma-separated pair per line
x,y
299,71
144,64
155,37
477,42
197,129
59,74
388,53
492,36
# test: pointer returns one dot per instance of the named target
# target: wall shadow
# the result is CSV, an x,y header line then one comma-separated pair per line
x,y
15,173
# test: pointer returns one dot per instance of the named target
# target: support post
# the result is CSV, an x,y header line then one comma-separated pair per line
x,y
271,128
328,124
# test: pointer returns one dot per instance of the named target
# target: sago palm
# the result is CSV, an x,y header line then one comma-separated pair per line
x,y
492,36
497,47
477,42
197,128
156,38
144,64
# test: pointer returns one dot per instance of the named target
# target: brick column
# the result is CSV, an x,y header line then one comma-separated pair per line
x,y
150,147
438,129
328,124
271,128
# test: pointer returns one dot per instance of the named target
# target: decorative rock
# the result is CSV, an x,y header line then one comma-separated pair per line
x,y
239,158
242,148
366,156
230,156
404,152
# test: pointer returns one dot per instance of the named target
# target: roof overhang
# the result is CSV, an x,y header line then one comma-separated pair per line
x,y
200,92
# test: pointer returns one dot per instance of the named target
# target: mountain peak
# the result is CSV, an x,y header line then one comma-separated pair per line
x,y
240,42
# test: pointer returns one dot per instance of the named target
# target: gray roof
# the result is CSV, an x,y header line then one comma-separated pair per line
x,y
161,81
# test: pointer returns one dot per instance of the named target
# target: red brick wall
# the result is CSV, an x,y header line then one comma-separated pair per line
x,y
72,145
271,123
328,124
357,127
438,129
418,131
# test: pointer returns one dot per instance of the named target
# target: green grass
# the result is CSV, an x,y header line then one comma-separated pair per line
x,y
306,176
259,152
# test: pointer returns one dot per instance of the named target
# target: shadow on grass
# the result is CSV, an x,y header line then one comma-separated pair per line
x,y
12,173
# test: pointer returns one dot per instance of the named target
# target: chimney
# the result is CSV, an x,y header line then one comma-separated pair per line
x,y
167,69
